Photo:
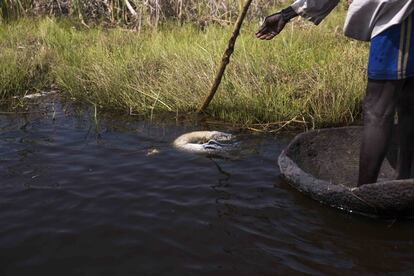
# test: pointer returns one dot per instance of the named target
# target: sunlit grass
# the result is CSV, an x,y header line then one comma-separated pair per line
x,y
308,73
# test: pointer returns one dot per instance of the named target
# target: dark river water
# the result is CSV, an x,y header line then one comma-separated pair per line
x,y
113,197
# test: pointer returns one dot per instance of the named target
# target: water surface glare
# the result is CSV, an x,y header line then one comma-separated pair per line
x,y
114,198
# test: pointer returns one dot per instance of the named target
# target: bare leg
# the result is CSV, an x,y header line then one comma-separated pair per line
x,y
406,130
379,110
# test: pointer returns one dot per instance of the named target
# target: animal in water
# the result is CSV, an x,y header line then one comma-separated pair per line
x,y
213,143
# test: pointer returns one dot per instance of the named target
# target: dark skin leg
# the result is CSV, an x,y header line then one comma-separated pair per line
x,y
406,130
379,108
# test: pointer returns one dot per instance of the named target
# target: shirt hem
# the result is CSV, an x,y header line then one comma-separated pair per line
x,y
389,76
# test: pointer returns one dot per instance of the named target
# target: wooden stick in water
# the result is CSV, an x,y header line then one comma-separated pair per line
x,y
226,57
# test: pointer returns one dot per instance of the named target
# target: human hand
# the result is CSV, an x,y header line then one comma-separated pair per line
x,y
271,27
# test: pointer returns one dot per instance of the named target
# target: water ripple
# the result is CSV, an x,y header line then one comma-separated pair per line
x,y
81,198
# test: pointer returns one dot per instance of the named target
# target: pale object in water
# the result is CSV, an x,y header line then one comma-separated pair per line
x,y
152,152
205,142
38,95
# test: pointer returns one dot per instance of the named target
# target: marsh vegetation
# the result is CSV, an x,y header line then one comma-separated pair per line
x,y
310,76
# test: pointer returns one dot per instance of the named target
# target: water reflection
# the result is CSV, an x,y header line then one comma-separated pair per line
x,y
80,196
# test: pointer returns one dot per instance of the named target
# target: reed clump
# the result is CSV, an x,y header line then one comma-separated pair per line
x,y
134,13
308,75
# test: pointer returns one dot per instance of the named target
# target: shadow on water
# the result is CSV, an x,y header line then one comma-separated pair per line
x,y
112,197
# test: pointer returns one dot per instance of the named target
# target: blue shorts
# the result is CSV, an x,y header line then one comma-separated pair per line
x,y
392,53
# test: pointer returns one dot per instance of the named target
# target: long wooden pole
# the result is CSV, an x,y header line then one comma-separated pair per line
x,y
226,57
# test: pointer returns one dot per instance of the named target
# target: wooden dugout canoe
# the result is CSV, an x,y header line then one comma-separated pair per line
x,y
323,164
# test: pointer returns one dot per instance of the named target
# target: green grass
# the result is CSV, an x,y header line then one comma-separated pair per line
x,y
308,73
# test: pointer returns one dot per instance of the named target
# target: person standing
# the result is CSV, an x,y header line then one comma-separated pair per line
x,y
389,26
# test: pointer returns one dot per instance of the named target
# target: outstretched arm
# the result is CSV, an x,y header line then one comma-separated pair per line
x,y
313,10
275,23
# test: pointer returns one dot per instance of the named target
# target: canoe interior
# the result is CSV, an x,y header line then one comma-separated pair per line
x,y
334,156
324,165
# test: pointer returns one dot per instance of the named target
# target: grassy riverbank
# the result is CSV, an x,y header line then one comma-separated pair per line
x,y
309,73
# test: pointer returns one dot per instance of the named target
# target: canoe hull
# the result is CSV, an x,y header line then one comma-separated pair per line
x,y
323,164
